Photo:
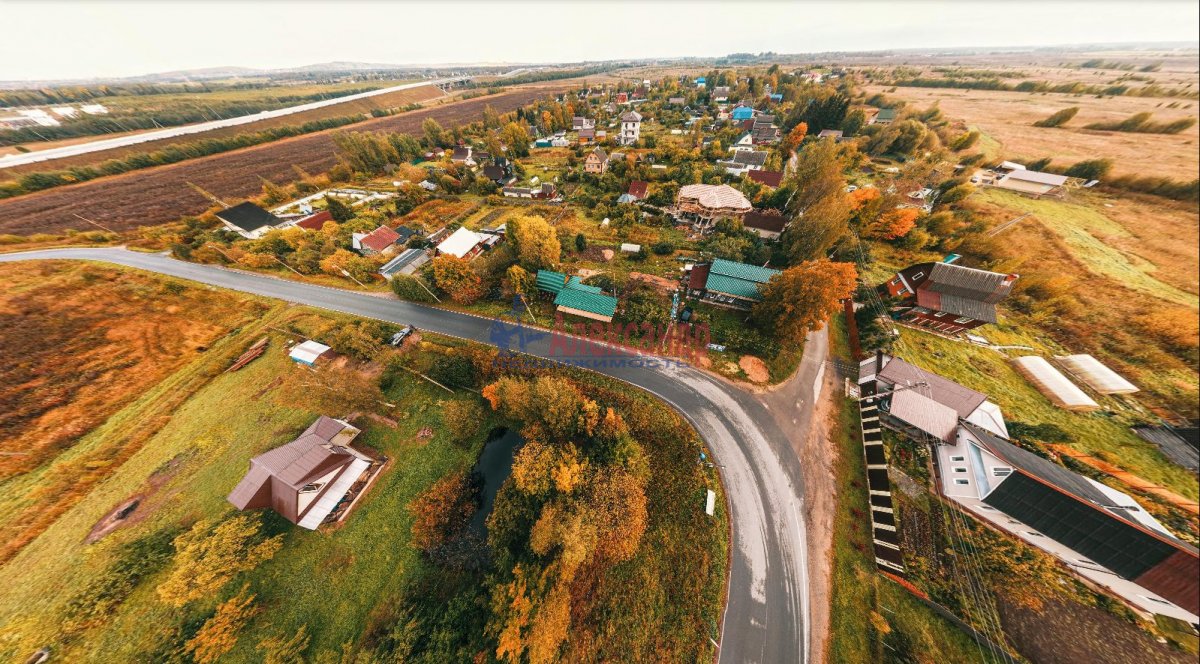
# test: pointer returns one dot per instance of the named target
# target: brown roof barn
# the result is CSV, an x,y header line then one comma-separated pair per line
x,y
306,479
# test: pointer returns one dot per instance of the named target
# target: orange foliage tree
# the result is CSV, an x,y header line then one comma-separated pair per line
x,y
796,136
219,633
894,224
455,276
800,299
442,510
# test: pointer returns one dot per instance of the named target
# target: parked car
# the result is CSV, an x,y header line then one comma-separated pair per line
x,y
399,337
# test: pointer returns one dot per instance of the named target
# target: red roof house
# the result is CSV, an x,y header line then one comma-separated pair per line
x,y
769,178
637,189
315,221
378,241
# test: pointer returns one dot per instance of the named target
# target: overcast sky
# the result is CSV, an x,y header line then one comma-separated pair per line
x,y
49,39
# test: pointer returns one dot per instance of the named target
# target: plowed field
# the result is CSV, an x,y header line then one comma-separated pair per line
x,y
162,194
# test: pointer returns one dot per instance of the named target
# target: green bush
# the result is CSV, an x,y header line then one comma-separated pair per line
x,y
408,288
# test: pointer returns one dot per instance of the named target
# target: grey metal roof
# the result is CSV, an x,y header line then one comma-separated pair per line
x,y
1038,177
963,400
962,306
968,282
1043,469
750,157
1173,446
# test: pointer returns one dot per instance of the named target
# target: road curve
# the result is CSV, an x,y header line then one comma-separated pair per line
x,y
766,615
7,161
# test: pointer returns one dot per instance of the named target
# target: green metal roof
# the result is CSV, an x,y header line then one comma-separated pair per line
x,y
730,286
743,271
577,284
886,114
583,298
551,281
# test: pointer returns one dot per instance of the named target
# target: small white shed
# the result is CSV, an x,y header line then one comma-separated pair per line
x,y
308,352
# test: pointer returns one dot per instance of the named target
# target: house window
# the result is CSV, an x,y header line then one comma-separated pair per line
x,y
960,470
1001,471
961,481
958,458
939,314
918,275
312,487
963,319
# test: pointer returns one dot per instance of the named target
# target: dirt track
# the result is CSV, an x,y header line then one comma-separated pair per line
x,y
161,194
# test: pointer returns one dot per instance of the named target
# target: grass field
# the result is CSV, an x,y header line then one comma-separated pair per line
x,y
1007,118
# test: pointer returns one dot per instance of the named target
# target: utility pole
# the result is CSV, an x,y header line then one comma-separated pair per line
x,y
94,223
343,271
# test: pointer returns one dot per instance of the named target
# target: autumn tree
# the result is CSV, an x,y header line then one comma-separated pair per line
x,y
516,137
893,224
535,242
520,281
434,134
441,511
219,633
796,136
207,557
553,405
800,299
340,212
462,419
456,278
341,262
812,234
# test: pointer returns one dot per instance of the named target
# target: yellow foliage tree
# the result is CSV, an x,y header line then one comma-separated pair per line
x,y
535,241
278,650
219,633
206,558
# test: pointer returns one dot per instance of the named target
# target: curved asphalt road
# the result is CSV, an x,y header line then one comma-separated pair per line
x,y
766,616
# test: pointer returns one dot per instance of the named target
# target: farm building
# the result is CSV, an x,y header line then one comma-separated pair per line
x,y
407,263
308,352
308,479
1095,375
1097,532
248,220
733,284
945,297
1033,183
704,204
1053,384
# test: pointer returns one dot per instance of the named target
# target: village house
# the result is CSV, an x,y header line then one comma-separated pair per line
x,y
744,161
463,155
1100,535
586,136
249,220
768,224
638,189
596,162
463,243
703,205
312,480
835,134
676,101
729,284
500,173
631,128
382,240
885,116
579,122
945,297
721,93
572,296
315,221
869,114
770,178
742,114
545,191
764,131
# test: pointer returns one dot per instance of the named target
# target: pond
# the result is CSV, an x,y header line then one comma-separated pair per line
x,y
494,466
